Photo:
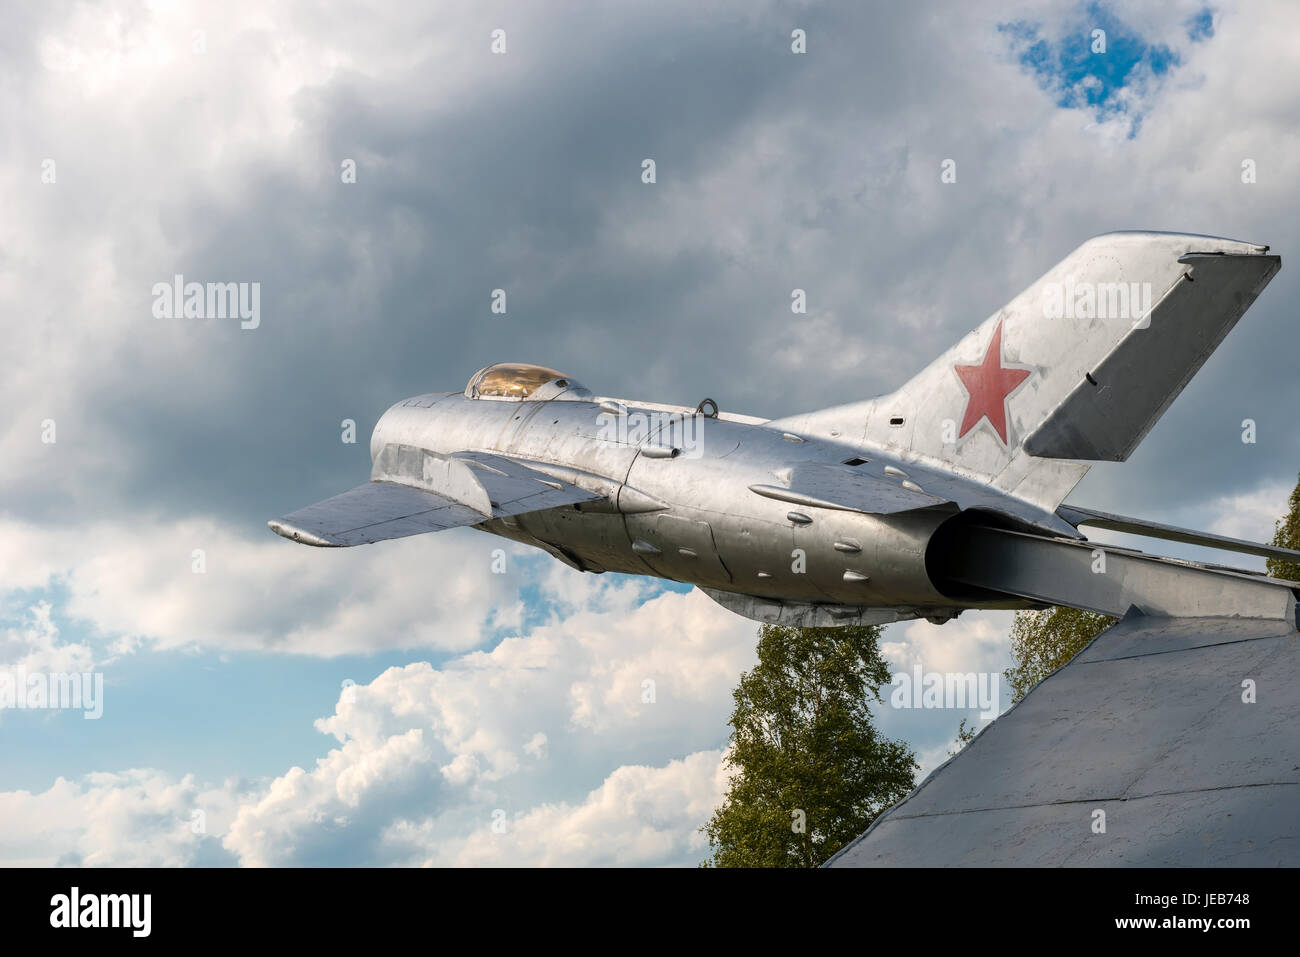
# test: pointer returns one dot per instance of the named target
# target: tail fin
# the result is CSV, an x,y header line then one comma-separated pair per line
x,y
1080,365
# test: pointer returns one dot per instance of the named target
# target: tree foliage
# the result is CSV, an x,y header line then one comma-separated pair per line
x,y
1286,534
1042,641
965,735
809,770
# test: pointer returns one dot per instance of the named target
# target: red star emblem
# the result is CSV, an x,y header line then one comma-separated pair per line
x,y
988,386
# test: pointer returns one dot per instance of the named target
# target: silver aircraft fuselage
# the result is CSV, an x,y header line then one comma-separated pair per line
x,y
690,517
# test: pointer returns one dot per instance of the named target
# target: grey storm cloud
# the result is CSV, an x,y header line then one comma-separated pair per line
x,y
522,172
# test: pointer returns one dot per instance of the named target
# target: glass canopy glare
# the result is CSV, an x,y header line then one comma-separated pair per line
x,y
513,380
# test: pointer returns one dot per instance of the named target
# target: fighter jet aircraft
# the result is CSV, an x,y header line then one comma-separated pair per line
x,y
944,495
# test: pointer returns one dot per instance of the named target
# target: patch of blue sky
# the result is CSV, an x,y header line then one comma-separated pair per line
x,y
1100,63
209,712
541,604
216,714
16,607
1200,26
213,715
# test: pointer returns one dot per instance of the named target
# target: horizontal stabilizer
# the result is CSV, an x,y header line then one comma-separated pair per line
x,y
1077,515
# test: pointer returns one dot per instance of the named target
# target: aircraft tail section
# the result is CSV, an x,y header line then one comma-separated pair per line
x,y
1079,366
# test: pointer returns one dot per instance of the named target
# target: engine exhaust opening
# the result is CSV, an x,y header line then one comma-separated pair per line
x,y
948,542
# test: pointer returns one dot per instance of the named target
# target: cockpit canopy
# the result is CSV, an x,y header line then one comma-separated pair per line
x,y
522,380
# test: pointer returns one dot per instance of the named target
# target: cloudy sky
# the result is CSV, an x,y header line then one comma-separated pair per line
x,y
399,703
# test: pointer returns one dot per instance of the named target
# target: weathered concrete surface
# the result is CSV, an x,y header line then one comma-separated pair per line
x,y
1146,724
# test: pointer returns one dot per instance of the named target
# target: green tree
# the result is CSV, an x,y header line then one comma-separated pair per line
x,y
1042,641
1286,534
965,735
810,771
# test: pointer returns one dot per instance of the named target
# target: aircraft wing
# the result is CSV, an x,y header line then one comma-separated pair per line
x,y
413,491
371,513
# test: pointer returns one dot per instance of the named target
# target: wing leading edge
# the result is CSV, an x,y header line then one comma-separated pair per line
x,y
412,491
